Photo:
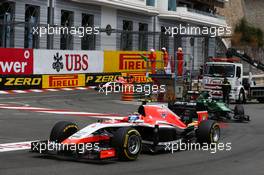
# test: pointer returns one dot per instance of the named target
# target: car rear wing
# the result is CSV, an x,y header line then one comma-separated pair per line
x,y
202,115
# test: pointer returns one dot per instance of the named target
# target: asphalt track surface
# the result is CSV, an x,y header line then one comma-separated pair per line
x,y
246,156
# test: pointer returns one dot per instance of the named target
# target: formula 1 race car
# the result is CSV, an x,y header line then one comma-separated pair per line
x,y
217,110
151,129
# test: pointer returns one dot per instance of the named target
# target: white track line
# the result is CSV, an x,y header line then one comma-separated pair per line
x,y
92,87
71,113
60,112
67,89
4,92
36,90
52,90
45,90
19,91
23,108
81,88
85,114
6,147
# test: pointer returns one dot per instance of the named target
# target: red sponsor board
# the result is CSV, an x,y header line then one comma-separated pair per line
x,y
16,61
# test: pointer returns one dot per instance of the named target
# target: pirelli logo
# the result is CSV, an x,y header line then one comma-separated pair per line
x,y
132,62
63,81
140,78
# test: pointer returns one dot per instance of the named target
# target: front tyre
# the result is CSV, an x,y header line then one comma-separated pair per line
x,y
62,130
208,132
128,143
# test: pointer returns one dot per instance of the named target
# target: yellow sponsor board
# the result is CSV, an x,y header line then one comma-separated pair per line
x,y
128,61
63,81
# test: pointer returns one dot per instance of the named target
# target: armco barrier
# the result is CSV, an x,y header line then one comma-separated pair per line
x,y
23,82
78,80
36,69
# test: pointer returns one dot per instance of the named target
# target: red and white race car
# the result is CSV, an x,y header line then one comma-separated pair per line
x,y
152,129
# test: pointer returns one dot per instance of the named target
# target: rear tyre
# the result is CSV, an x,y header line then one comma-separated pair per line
x,y
128,143
208,132
62,130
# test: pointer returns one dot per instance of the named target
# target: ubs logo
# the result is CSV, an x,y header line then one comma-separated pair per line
x,y
57,64
72,62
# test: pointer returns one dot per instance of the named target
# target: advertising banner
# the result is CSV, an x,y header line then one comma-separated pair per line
x,y
95,79
67,61
127,61
16,61
20,82
63,81
140,78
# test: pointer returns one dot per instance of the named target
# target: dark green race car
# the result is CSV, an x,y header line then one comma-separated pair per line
x,y
217,110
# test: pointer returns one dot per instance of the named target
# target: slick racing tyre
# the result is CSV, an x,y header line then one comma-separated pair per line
x,y
62,130
127,142
208,132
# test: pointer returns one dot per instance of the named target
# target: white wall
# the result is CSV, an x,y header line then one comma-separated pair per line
x,y
139,2
108,16
162,5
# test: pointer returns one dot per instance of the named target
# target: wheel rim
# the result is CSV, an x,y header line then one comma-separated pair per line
x,y
134,144
215,134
